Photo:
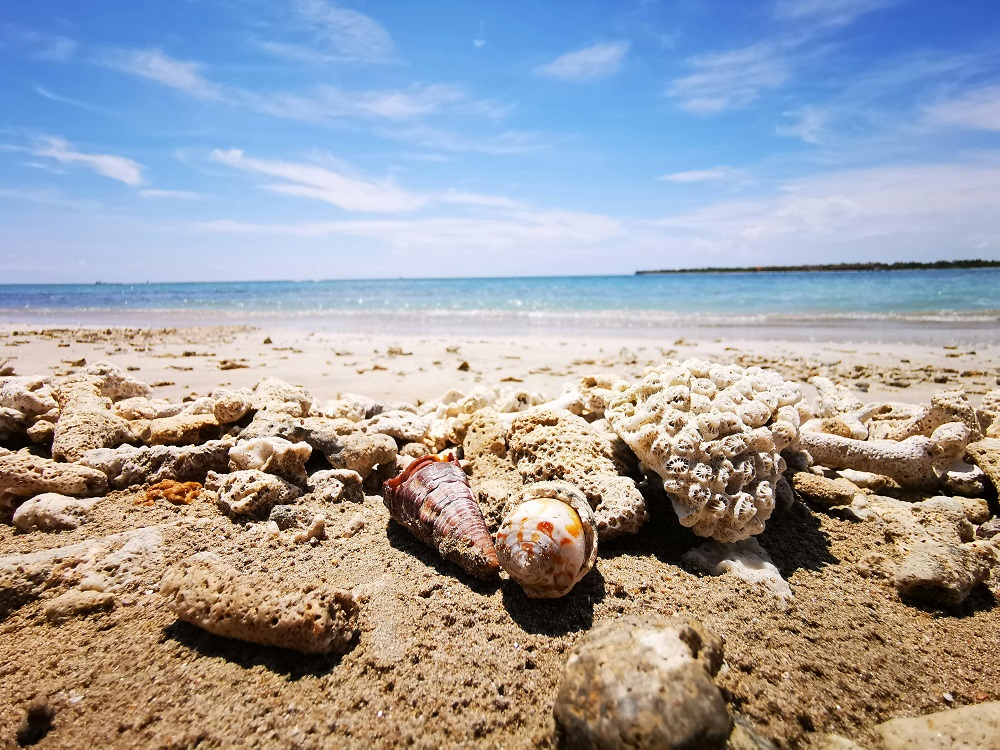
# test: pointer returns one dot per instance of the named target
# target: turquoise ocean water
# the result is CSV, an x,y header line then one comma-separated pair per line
x,y
902,304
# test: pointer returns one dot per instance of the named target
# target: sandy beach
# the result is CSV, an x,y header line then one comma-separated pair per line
x,y
442,659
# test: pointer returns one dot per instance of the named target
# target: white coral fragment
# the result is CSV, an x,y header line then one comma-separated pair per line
x,y
712,433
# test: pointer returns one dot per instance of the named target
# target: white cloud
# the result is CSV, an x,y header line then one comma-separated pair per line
x,y
155,65
330,103
808,125
507,142
185,195
715,174
480,40
827,12
978,109
309,181
914,207
586,64
350,34
116,167
730,80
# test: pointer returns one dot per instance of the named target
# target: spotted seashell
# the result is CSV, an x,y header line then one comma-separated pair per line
x,y
432,499
548,542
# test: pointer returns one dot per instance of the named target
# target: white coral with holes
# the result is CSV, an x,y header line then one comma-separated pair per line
x,y
714,434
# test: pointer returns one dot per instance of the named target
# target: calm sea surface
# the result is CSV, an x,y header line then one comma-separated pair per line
x,y
906,302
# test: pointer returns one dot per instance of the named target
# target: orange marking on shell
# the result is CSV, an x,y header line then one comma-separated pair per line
x,y
546,527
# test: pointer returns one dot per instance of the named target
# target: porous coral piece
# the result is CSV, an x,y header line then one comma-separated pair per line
x,y
251,492
552,444
986,455
833,398
713,434
336,485
128,466
494,478
272,455
918,462
404,426
361,453
279,397
51,511
23,475
945,407
116,383
824,492
140,407
85,419
313,619
181,429
644,683
175,493
988,414
231,406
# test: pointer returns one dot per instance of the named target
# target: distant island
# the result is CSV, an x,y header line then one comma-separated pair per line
x,y
908,266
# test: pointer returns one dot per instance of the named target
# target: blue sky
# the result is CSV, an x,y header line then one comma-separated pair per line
x,y
308,139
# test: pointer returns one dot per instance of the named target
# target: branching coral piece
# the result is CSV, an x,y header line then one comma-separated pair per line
x,y
918,462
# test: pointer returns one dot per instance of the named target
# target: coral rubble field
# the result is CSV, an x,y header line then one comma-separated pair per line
x,y
796,547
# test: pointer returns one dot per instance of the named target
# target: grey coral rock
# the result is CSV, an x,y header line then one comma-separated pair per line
x,y
312,619
86,420
362,453
51,511
945,574
548,444
128,466
251,492
644,682
24,475
336,485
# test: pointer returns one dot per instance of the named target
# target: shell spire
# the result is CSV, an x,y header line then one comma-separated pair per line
x,y
432,498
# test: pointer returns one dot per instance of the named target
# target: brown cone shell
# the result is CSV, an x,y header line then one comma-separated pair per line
x,y
432,499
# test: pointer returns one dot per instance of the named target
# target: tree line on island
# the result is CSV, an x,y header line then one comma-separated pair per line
x,y
903,266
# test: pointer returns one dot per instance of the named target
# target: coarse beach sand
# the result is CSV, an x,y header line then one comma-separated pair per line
x,y
443,660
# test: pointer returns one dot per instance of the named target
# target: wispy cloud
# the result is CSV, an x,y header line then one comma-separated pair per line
x,y
184,195
919,205
807,124
116,167
331,103
977,109
534,229
317,183
507,142
828,12
729,80
715,174
338,34
44,92
41,45
153,64
587,64
480,40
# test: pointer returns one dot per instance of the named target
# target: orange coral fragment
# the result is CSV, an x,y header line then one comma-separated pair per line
x,y
176,493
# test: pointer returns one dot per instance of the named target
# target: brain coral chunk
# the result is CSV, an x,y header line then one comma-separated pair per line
x,y
713,433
